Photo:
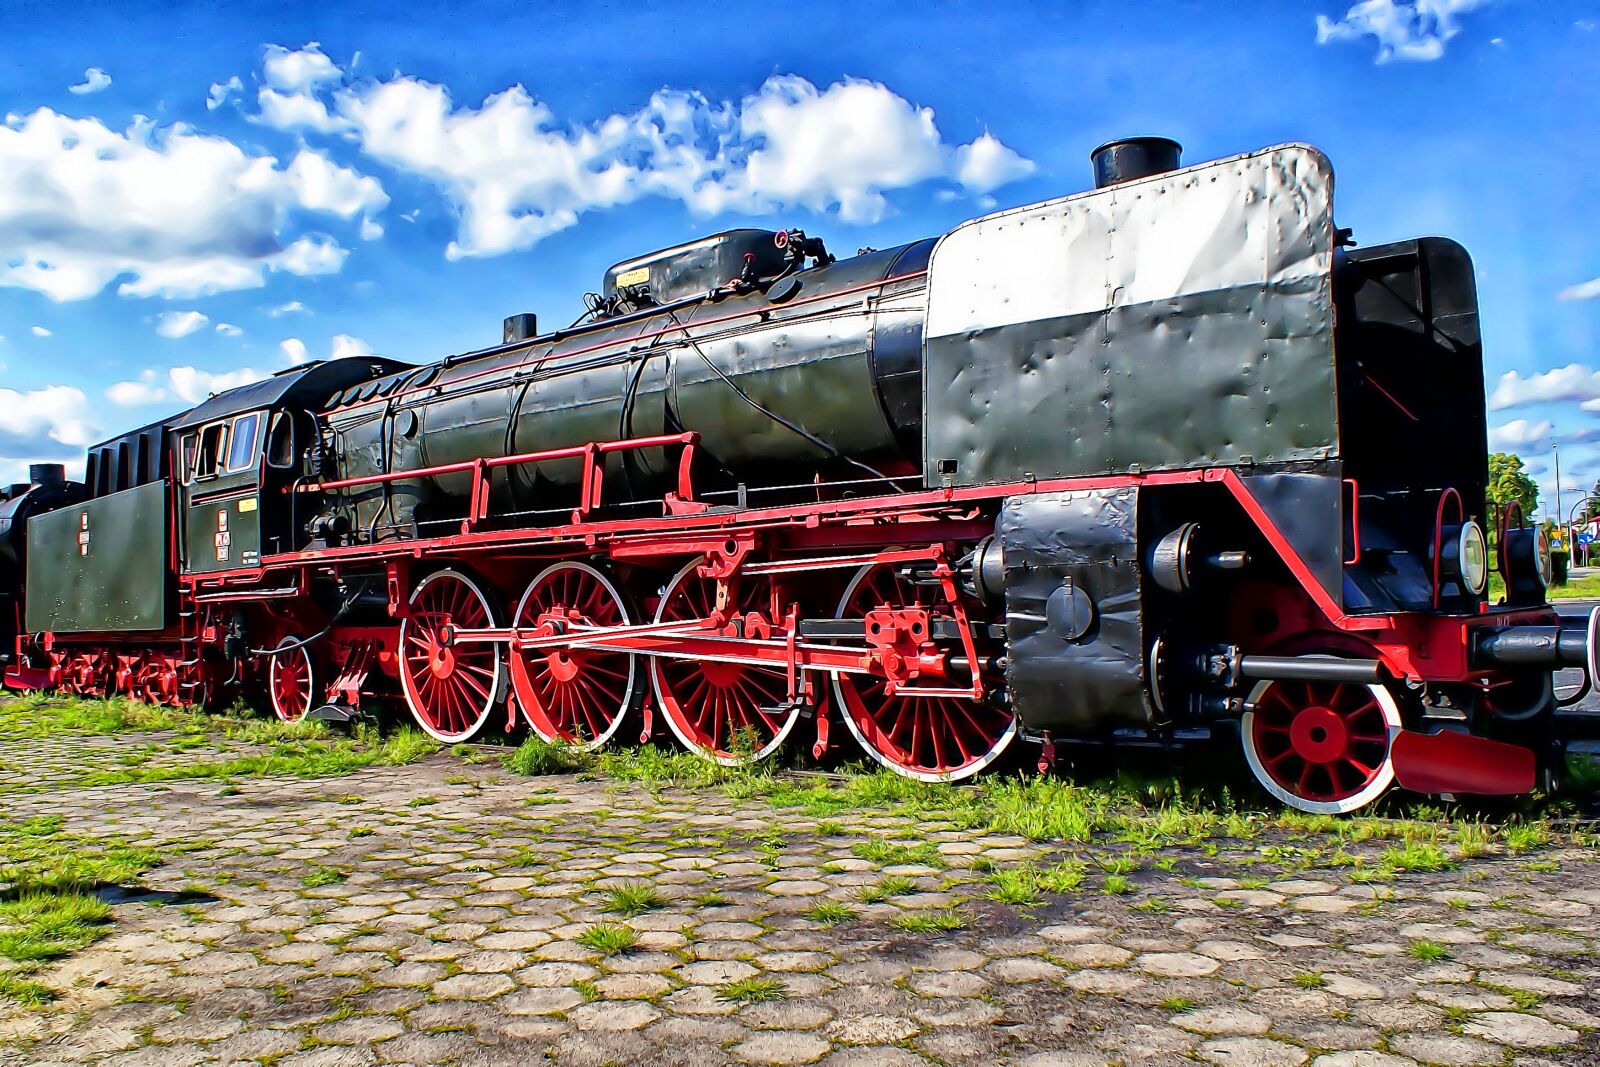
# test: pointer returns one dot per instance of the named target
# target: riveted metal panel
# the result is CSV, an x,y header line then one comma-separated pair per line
x,y
1177,321
1075,666
101,565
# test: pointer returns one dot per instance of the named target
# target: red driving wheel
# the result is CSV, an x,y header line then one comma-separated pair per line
x,y
930,738
574,695
730,712
450,686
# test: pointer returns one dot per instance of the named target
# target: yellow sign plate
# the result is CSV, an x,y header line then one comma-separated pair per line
x,y
637,276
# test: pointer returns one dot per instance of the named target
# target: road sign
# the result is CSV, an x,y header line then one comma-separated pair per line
x,y
1586,538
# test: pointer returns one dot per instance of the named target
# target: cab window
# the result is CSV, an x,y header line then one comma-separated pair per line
x,y
187,447
213,441
280,441
242,451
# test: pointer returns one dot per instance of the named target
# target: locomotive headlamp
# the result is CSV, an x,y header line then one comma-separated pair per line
x,y
1464,556
1528,562
1473,554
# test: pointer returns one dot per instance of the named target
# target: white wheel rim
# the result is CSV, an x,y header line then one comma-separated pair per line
x,y
657,686
408,686
633,661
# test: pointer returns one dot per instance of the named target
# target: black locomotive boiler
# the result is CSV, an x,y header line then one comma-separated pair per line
x,y
1170,455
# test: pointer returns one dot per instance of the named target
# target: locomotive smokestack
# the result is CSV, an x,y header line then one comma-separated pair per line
x,y
46,473
1130,158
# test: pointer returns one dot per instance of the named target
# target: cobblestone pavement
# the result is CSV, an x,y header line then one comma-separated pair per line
x,y
442,912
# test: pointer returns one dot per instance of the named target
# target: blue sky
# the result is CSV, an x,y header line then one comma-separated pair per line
x,y
190,195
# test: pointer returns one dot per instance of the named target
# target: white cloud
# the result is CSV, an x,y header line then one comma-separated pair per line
x,y
221,91
987,164
293,307
516,173
322,185
193,385
1574,382
289,111
173,212
187,384
1518,434
1416,30
228,329
292,76
176,324
34,421
39,331
138,392
94,80
298,70
1588,290
344,346
370,231
294,349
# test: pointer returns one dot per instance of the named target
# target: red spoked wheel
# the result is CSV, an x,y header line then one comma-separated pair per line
x,y
575,695
929,738
451,687
729,712
291,680
1321,747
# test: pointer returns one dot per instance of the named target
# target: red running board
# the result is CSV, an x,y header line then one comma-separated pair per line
x,y
1450,762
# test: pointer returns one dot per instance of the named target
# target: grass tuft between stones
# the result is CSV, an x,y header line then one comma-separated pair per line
x,y
753,990
633,898
610,939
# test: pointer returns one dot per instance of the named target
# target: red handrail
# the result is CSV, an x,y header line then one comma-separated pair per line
x,y
1438,534
589,490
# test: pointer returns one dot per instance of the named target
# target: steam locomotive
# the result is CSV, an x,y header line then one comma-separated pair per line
x,y
1170,456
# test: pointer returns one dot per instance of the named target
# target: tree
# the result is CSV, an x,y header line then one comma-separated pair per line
x,y
1508,482
1591,509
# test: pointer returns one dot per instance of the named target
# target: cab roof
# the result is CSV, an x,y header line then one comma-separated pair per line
x,y
307,385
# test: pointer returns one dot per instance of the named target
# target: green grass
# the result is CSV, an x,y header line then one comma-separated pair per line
x,y
25,992
1309,980
1027,883
1578,588
755,990
632,898
1177,1005
710,899
1415,856
48,925
1427,951
929,922
897,853
48,908
43,715
609,939
305,758
320,876
1522,837
1117,884
536,756
830,913
894,886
